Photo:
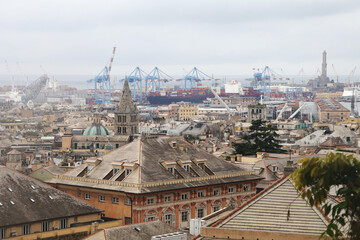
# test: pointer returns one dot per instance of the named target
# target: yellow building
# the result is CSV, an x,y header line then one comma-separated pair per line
x,y
187,110
334,95
12,126
28,206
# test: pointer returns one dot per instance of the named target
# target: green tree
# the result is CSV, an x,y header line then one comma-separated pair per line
x,y
262,138
190,138
314,180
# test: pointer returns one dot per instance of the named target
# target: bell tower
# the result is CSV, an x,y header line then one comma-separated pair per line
x,y
126,113
324,66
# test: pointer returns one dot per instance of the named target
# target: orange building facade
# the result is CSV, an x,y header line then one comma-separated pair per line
x,y
173,207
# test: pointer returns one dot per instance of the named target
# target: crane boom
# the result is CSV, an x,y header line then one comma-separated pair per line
x,y
110,64
221,101
281,112
296,112
351,75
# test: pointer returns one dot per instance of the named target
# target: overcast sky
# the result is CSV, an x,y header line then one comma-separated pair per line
x,y
219,37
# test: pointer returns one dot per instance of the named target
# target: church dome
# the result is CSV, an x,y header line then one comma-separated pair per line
x,y
96,130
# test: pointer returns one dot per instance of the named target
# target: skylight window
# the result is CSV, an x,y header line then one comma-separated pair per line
x,y
32,186
31,199
10,189
12,202
1,204
51,197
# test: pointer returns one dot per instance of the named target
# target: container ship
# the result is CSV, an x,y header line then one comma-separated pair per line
x,y
194,95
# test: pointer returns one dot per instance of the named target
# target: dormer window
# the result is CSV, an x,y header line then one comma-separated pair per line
x,y
127,171
275,168
171,169
173,144
187,168
115,170
89,167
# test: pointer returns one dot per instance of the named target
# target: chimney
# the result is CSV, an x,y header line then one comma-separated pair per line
x,y
289,168
232,157
94,227
214,148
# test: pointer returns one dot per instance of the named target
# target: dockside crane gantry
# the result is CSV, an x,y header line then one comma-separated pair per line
x,y
156,76
195,76
102,84
135,80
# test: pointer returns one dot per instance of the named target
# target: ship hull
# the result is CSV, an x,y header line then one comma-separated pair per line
x,y
165,100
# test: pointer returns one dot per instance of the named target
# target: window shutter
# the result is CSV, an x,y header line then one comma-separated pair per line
x,y
173,219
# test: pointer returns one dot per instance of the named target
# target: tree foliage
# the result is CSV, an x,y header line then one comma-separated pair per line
x,y
190,138
261,139
314,180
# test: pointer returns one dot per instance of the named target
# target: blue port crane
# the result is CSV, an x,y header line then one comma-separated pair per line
x,y
262,80
102,85
195,76
135,80
156,76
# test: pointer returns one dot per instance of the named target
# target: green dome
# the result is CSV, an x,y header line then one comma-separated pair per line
x,y
96,130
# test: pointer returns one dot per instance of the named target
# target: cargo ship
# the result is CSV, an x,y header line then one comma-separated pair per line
x,y
194,95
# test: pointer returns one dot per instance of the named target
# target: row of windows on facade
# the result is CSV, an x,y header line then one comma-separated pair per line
x,y
124,130
123,119
45,226
185,196
168,218
257,111
114,200
168,198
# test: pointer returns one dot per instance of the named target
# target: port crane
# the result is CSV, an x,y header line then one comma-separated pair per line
x,y
102,85
135,80
156,76
262,80
195,76
351,75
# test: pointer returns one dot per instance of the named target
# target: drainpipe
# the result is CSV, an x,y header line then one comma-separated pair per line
x,y
131,208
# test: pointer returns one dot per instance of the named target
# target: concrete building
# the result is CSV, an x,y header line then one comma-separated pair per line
x,y
256,112
162,178
330,110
